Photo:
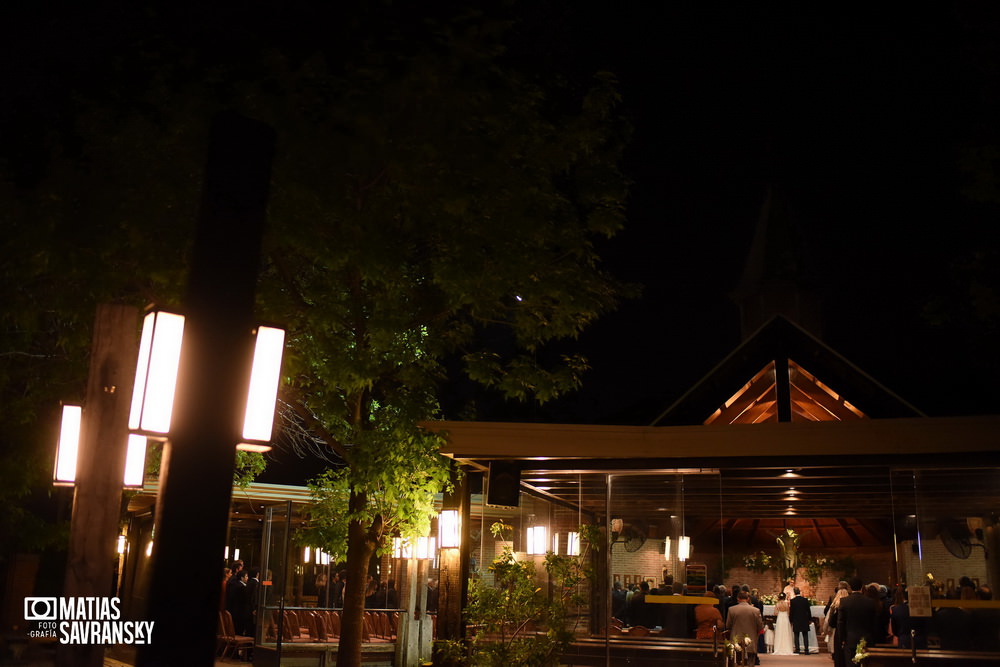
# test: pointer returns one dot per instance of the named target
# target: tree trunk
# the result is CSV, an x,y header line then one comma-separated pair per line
x,y
360,547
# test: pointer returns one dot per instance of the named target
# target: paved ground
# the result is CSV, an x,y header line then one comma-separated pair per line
x,y
811,660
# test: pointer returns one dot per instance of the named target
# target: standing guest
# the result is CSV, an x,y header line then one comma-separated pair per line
x,y
733,597
618,600
391,595
641,612
226,573
237,568
744,621
321,589
432,595
253,595
831,626
674,617
985,623
800,614
723,594
238,601
954,624
371,594
856,620
707,616
337,595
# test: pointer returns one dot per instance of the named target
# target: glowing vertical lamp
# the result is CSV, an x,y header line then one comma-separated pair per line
x,y
684,541
536,540
69,446
68,449
448,529
573,544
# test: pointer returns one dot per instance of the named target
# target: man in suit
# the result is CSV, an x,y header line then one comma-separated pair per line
x,y
856,620
675,618
800,616
743,620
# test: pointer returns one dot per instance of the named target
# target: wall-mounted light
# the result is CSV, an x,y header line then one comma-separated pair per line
x,y
573,544
149,548
121,544
448,529
401,548
69,446
156,380
305,555
666,548
536,540
68,451
426,548
156,373
263,391
683,548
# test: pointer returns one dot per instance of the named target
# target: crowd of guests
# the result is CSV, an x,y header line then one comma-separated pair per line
x,y
378,594
240,591
873,612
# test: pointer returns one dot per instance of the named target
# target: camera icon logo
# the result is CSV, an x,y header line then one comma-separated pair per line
x,y
40,609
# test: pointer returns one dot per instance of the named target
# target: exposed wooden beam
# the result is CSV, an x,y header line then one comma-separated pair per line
x,y
850,532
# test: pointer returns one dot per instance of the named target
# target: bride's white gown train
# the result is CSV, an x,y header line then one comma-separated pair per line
x,y
783,641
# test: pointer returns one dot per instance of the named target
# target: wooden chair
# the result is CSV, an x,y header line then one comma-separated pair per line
x,y
393,624
638,631
232,641
320,620
366,626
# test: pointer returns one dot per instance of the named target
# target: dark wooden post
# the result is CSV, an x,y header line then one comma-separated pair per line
x,y
453,574
97,498
196,477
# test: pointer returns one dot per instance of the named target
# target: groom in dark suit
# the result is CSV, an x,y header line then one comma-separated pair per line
x,y
800,615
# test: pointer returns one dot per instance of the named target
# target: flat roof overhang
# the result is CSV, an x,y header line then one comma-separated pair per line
x,y
910,440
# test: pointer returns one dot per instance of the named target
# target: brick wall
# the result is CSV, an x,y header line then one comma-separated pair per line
x,y
647,561
939,561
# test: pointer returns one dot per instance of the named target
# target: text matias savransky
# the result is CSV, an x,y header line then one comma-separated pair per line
x,y
84,620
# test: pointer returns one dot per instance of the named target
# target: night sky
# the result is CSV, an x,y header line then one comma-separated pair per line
x,y
880,128
871,124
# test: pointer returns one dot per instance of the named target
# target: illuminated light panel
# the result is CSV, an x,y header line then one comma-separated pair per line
x,y
156,372
683,548
68,448
536,540
448,529
263,392
135,461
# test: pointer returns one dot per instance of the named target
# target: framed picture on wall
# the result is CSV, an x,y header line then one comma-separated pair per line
x,y
950,585
637,579
628,579
617,578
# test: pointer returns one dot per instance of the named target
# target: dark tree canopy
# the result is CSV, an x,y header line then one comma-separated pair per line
x,y
433,208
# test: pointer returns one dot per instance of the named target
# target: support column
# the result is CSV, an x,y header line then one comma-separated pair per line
x,y
97,497
453,574
196,477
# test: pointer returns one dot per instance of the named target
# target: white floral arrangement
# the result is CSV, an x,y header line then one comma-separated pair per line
x,y
861,653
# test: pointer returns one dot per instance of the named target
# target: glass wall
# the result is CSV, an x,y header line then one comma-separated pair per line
x,y
933,533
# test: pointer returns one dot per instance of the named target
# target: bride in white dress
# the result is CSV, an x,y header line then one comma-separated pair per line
x,y
782,628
